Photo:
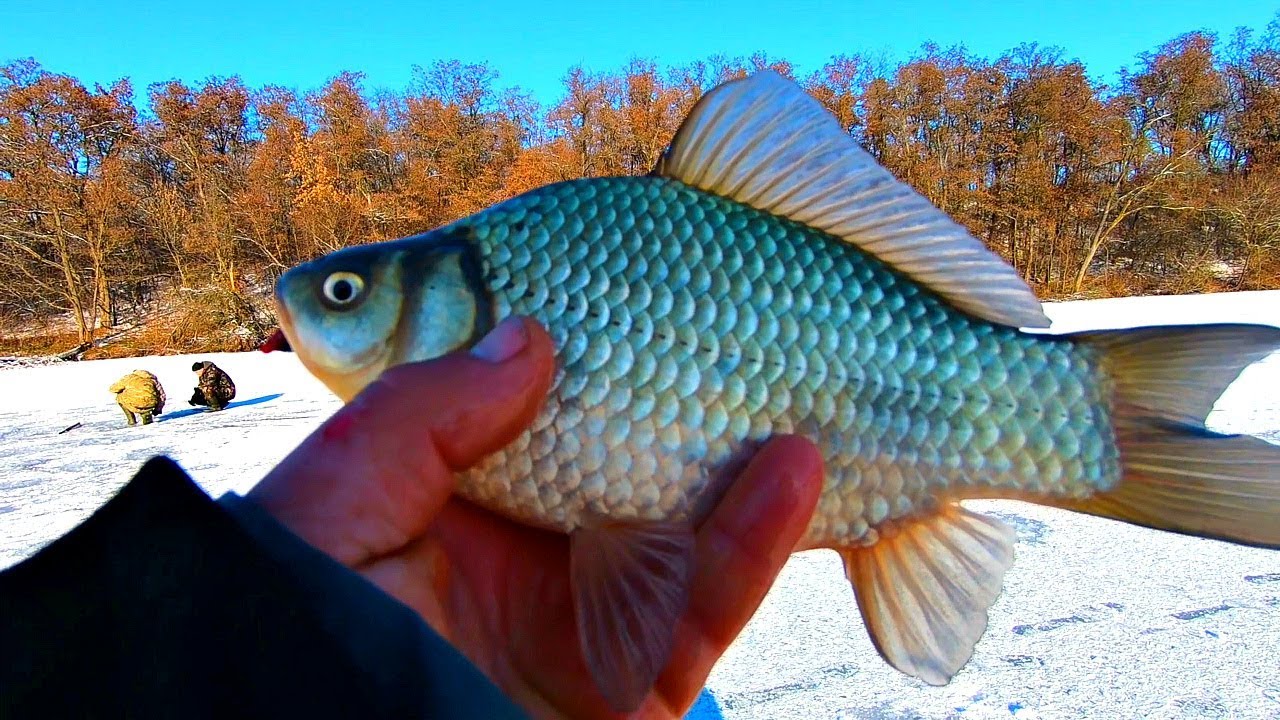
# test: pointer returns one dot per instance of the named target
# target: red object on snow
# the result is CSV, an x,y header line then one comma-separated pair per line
x,y
277,341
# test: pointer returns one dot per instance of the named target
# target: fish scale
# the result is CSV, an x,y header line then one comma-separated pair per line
x,y
678,352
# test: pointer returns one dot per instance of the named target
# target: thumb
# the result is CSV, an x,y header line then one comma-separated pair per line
x,y
375,474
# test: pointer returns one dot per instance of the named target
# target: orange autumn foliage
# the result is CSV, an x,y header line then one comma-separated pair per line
x,y
1167,182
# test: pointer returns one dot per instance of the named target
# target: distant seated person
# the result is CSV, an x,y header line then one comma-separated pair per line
x,y
139,395
213,386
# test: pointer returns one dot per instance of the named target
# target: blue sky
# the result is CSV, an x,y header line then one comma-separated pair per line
x,y
300,44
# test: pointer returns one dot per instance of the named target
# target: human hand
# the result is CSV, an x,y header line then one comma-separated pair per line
x,y
372,487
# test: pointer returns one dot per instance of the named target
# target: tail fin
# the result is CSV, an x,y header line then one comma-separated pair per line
x,y
1176,474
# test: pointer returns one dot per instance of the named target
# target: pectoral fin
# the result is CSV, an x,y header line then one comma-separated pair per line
x,y
924,593
630,585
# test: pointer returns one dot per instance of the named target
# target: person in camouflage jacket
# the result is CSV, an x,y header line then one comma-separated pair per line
x,y
140,395
213,386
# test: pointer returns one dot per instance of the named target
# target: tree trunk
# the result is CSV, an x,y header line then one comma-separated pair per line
x,y
84,330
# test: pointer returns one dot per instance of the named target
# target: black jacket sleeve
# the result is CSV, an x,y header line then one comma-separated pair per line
x,y
166,604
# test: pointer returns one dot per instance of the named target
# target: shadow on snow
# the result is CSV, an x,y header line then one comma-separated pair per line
x,y
198,410
705,708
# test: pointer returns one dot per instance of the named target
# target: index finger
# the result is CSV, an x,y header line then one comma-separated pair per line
x,y
374,475
740,550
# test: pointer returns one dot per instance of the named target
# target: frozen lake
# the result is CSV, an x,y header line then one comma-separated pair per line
x,y
1097,620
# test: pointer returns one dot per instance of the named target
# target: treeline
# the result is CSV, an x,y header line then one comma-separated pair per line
x,y
1167,180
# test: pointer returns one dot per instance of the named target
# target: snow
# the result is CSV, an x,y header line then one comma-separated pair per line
x,y
1098,619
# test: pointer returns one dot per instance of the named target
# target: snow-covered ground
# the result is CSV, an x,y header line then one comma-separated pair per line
x,y
1097,620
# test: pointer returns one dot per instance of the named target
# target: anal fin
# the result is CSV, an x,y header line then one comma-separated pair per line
x,y
630,584
924,592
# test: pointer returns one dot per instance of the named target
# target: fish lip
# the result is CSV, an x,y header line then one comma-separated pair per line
x,y
347,385
348,382
378,355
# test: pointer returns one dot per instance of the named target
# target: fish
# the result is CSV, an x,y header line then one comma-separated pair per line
x,y
769,277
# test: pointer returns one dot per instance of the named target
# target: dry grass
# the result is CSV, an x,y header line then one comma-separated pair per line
x,y
39,343
216,320
206,320
155,338
1123,283
1262,272
1117,283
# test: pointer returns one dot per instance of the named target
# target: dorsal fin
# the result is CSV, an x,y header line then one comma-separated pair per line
x,y
764,142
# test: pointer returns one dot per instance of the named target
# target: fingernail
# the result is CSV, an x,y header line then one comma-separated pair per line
x,y
503,342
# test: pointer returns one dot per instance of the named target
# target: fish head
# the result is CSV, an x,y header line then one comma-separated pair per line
x,y
339,313
352,314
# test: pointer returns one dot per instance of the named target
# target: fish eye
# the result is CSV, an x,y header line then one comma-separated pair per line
x,y
343,288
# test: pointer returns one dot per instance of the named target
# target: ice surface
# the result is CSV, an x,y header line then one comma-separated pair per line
x,y
1097,620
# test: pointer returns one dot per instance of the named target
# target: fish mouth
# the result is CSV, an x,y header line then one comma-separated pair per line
x,y
349,384
348,381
